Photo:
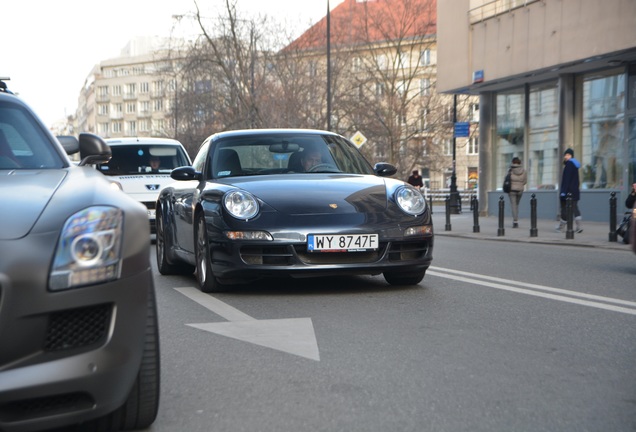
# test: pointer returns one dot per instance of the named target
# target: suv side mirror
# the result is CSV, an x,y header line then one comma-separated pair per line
x,y
93,150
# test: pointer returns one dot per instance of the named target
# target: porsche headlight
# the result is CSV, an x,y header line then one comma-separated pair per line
x,y
410,200
240,205
88,251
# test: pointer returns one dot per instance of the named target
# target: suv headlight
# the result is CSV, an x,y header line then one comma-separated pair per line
x,y
410,200
241,205
89,249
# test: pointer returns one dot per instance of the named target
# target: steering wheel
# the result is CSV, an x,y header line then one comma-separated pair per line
x,y
322,166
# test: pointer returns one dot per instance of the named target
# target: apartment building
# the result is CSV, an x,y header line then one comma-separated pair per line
x,y
131,95
550,75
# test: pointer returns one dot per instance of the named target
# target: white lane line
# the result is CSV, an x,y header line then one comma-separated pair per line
x,y
540,287
473,280
217,306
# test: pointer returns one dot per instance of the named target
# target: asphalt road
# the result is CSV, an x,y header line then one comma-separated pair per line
x,y
498,337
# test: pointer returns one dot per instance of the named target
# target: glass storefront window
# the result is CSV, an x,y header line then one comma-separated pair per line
x,y
510,130
544,160
603,131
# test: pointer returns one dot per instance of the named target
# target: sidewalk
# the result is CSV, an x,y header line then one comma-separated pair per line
x,y
595,234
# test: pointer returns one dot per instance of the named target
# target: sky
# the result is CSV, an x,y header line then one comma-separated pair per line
x,y
49,47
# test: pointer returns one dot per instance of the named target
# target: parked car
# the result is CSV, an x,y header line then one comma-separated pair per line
x,y
298,203
78,324
142,166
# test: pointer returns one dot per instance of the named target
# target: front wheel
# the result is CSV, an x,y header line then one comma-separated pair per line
x,y
404,278
206,279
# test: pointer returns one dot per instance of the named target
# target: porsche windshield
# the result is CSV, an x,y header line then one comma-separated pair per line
x,y
273,153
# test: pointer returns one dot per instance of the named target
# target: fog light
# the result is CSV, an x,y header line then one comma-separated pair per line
x,y
425,230
248,235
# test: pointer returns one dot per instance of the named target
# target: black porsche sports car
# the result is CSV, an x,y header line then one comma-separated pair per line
x,y
79,338
286,202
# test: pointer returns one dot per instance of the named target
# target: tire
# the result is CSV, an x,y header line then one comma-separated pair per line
x,y
142,404
403,278
206,279
164,266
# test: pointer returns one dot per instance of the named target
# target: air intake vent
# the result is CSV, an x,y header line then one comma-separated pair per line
x,y
77,328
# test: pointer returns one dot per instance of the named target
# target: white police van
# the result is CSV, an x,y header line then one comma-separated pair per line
x,y
142,166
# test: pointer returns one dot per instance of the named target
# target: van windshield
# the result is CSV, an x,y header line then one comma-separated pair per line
x,y
144,159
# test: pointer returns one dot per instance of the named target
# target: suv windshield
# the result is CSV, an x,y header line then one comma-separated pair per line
x,y
23,143
144,158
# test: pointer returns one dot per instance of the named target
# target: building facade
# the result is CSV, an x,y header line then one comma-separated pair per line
x,y
551,75
131,95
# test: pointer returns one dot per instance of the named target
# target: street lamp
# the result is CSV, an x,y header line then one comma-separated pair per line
x,y
328,67
454,199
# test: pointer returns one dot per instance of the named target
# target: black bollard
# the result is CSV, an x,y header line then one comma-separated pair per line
x,y
612,221
474,205
501,231
569,232
533,216
430,203
448,210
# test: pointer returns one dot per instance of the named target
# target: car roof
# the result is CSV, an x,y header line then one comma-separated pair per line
x,y
141,140
243,132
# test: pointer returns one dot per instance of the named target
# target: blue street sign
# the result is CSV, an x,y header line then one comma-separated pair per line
x,y
462,129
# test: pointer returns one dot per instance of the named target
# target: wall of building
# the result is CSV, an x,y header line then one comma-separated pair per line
x,y
527,36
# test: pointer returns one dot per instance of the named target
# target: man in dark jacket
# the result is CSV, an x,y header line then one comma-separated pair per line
x,y
570,186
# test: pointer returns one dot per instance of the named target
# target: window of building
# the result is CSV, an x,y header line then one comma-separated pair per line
x,y
144,125
104,128
116,127
144,88
116,90
102,91
102,109
157,105
382,63
603,131
425,86
131,89
379,89
131,107
144,107
425,57
509,130
424,119
544,161
473,146
356,64
474,112
131,128
448,146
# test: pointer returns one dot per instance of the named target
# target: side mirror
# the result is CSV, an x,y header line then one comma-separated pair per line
x,y
384,169
70,144
93,150
185,173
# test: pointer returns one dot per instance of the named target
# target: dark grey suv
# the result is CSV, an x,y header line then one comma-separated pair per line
x,y
78,325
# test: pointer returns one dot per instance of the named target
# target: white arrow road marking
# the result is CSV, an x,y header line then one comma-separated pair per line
x,y
558,294
294,335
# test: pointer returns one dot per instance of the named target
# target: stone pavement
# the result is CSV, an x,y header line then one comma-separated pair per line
x,y
595,234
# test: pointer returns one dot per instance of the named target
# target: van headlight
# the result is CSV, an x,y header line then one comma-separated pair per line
x,y
89,249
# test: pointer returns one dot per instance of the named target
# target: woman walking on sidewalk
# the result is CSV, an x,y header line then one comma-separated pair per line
x,y
518,180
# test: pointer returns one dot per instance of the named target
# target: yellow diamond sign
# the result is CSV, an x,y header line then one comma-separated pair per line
x,y
358,139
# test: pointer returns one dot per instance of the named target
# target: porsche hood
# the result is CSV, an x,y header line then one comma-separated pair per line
x,y
318,194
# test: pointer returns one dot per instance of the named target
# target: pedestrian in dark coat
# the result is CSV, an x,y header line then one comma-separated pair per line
x,y
570,186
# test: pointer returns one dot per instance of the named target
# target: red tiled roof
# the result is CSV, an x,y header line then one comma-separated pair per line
x,y
355,22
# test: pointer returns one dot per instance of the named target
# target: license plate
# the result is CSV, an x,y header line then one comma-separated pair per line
x,y
342,242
